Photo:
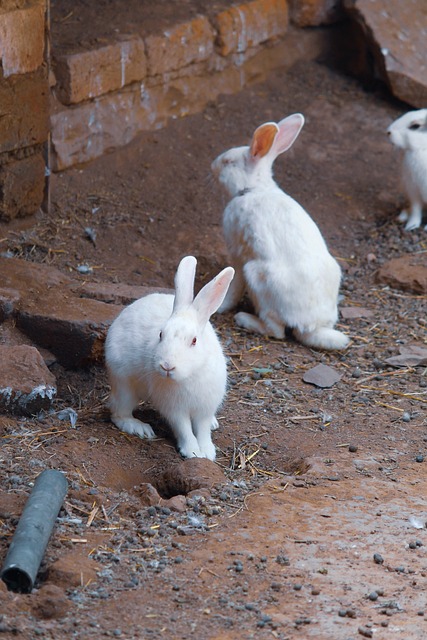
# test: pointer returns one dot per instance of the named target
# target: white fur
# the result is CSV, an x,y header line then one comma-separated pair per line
x,y
277,250
409,133
150,355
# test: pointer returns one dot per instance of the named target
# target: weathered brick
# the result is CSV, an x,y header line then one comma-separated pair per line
x,y
22,185
74,329
247,25
312,13
180,46
22,38
86,131
88,74
26,384
40,301
24,110
111,292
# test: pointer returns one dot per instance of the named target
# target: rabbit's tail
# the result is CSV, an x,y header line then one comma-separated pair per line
x,y
322,338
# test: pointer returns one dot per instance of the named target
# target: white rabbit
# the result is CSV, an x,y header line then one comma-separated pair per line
x,y
409,132
163,348
277,250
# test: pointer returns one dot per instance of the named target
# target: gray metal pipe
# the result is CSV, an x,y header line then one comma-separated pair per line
x,y
33,531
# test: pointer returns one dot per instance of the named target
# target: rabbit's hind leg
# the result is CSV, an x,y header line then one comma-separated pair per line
x,y
268,327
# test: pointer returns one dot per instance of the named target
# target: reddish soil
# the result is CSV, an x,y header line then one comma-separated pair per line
x,y
316,481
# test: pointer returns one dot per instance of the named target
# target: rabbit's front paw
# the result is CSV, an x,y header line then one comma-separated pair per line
x,y
403,216
134,427
190,450
207,450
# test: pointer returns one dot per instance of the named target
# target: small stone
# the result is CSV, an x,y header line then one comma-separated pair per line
x,y
297,587
353,448
378,559
373,596
419,458
406,416
322,376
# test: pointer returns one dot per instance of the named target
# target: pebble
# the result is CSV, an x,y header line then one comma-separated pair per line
x,y
373,596
378,559
238,566
419,458
406,416
352,448
365,632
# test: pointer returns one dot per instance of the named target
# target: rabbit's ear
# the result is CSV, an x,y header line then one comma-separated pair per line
x,y
289,129
211,296
263,139
184,282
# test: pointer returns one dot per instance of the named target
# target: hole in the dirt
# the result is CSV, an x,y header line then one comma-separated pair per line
x,y
188,475
295,466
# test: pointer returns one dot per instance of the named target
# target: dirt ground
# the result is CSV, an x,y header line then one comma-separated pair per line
x,y
319,530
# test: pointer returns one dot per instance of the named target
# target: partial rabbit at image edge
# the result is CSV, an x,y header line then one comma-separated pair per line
x,y
409,134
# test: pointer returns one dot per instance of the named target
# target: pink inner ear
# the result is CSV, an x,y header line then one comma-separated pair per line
x,y
289,129
263,139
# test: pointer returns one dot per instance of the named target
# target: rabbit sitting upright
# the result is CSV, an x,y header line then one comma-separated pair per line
x,y
409,132
277,250
163,348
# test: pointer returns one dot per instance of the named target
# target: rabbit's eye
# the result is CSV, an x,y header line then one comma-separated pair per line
x,y
193,342
415,126
160,335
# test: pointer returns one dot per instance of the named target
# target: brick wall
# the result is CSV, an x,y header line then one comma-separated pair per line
x,y
24,110
107,94
103,96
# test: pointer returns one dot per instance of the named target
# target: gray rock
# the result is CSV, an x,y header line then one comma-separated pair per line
x,y
322,376
26,384
396,35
